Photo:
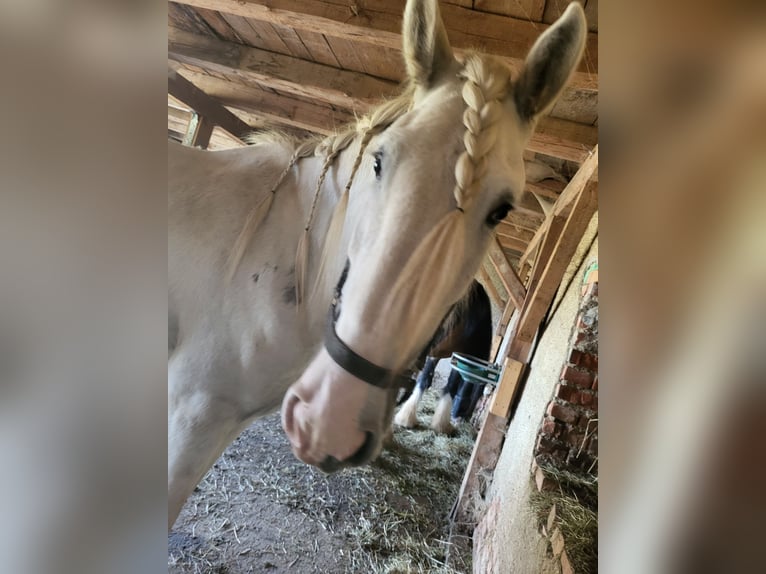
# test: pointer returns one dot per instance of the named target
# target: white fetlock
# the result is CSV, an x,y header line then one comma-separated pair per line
x,y
407,416
441,419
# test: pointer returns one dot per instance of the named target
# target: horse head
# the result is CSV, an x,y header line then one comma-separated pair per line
x,y
429,190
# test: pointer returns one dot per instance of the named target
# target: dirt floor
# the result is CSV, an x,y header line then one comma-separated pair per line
x,y
261,510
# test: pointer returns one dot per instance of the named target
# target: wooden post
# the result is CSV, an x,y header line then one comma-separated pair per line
x,y
198,132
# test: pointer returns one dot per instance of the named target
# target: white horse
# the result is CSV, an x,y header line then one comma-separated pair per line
x,y
405,201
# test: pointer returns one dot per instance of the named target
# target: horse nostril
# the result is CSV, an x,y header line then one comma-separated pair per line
x,y
289,423
365,451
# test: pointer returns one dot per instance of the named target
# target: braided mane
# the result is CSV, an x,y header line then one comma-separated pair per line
x,y
486,82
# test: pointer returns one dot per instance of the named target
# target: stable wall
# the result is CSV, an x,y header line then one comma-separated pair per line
x,y
507,538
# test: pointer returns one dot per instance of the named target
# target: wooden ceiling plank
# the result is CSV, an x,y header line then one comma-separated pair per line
x,y
219,24
311,80
185,91
379,23
274,108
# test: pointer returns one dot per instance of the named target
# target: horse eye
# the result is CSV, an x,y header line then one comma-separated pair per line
x,y
498,214
377,166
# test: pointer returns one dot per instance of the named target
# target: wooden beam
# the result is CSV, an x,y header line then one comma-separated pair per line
x,y
547,189
198,131
489,286
588,171
379,22
349,90
508,242
191,95
563,139
542,294
486,452
272,108
510,280
506,388
352,91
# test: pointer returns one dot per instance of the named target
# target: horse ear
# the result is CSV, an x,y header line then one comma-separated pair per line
x,y
550,62
427,52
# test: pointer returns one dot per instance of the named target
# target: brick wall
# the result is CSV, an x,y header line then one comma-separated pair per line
x,y
568,435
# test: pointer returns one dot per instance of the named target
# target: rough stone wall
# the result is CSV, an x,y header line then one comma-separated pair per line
x,y
568,435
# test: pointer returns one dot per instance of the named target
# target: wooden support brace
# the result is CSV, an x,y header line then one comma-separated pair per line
x,y
486,281
486,452
186,92
198,132
506,389
508,277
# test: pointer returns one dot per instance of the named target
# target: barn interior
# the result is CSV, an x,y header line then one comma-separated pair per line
x,y
308,68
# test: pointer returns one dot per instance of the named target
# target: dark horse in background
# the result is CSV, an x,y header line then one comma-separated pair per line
x,y
467,331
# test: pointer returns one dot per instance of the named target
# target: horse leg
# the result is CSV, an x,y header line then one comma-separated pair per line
x,y
440,422
408,414
200,426
463,405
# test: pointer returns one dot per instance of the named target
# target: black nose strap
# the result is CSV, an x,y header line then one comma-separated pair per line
x,y
355,364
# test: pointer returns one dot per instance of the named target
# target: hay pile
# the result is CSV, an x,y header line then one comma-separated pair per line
x,y
261,510
576,501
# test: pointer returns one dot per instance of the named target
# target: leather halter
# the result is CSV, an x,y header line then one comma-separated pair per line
x,y
350,361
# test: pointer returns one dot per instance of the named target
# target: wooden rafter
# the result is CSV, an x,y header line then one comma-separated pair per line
x,y
344,89
508,277
271,107
486,281
350,90
561,239
207,107
378,22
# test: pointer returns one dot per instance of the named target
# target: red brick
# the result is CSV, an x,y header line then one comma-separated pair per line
x,y
562,413
566,393
581,379
586,398
584,360
595,384
551,428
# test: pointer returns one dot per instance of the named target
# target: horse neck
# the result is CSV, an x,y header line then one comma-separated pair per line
x,y
336,178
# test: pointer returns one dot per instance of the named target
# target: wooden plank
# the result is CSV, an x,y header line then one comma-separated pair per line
x,y
198,132
486,452
293,42
318,48
526,9
510,280
185,91
533,244
219,24
505,318
243,29
489,286
378,22
510,243
270,40
547,189
553,231
273,108
342,88
542,294
588,171
506,389
508,228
